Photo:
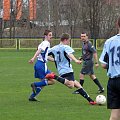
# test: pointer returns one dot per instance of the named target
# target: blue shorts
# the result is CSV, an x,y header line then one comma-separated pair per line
x,y
41,69
113,93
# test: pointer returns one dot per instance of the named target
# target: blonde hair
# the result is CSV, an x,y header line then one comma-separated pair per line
x,y
65,36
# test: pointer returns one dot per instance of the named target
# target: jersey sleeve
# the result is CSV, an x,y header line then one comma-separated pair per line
x,y
50,51
104,55
44,45
92,48
68,50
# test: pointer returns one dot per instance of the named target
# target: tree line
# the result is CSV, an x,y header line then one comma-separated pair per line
x,y
97,17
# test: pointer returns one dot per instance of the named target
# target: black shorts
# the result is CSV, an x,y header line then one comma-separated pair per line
x,y
87,67
69,76
113,93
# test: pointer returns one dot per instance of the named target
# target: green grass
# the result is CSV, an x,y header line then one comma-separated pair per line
x,y
56,102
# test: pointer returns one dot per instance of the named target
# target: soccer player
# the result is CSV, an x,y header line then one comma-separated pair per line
x,y
40,66
89,55
63,54
110,60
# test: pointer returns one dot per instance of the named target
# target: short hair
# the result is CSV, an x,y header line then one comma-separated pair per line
x,y
85,33
119,21
65,36
47,32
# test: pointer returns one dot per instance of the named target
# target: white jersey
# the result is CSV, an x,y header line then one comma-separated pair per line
x,y
111,56
44,46
62,61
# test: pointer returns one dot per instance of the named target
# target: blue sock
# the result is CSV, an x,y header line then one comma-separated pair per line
x,y
41,83
38,89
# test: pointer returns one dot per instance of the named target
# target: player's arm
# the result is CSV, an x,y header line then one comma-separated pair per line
x,y
74,59
93,50
104,58
80,58
35,56
104,61
104,66
50,58
96,59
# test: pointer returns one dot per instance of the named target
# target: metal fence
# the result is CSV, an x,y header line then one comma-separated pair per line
x,y
20,43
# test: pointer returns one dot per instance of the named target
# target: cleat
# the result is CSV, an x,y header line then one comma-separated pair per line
x,y
50,76
33,88
33,99
75,92
101,90
92,103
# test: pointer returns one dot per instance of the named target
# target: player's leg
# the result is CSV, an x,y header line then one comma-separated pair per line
x,y
113,98
54,76
115,114
62,79
83,93
69,84
34,94
83,72
81,79
40,72
86,69
96,81
38,86
69,79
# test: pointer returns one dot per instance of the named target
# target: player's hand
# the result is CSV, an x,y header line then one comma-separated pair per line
x,y
80,58
78,61
97,65
31,61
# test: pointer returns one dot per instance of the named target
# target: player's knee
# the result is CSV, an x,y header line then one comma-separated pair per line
x,y
115,117
71,86
51,82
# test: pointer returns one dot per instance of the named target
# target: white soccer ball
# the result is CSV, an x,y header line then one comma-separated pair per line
x,y
100,99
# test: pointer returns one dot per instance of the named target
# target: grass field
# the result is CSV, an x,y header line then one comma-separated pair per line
x,y
56,102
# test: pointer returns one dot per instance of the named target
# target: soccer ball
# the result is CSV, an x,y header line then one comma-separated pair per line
x,y
100,99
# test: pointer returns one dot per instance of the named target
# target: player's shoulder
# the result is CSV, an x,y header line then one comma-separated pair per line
x,y
111,39
55,47
89,43
67,47
45,42
62,46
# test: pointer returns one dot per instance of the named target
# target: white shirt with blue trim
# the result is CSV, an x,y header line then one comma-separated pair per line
x,y
44,47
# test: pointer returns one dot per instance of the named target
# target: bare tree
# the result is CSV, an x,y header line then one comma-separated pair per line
x,y
72,16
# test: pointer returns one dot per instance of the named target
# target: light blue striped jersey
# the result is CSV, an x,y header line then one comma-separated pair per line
x,y
111,56
44,46
62,61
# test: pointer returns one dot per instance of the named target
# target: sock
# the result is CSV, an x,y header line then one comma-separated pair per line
x,y
41,83
38,89
32,95
84,94
96,81
60,79
81,82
